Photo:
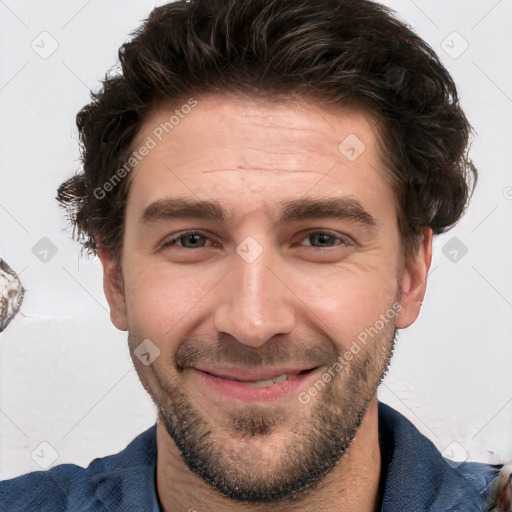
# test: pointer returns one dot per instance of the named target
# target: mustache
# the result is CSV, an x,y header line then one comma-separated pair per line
x,y
231,352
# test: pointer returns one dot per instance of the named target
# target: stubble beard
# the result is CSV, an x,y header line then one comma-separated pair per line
x,y
313,445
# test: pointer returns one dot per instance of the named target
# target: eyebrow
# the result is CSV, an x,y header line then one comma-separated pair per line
x,y
170,208
343,208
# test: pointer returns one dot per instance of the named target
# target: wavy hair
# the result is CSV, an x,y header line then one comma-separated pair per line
x,y
332,51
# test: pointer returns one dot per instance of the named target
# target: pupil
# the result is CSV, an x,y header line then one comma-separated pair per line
x,y
192,239
323,239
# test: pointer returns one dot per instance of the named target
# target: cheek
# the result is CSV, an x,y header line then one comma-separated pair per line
x,y
161,302
347,302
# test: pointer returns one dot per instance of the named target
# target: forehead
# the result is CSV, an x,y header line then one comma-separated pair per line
x,y
246,146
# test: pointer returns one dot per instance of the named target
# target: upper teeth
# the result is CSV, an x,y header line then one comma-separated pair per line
x,y
268,382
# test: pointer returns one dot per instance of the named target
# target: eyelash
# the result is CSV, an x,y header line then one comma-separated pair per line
x,y
345,240
184,234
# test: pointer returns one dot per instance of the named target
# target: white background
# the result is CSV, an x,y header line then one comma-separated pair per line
x,y
65,375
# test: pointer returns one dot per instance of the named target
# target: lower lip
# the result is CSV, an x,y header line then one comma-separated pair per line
x,y
237,390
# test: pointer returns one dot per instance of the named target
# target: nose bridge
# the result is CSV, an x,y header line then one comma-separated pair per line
x,y
255,305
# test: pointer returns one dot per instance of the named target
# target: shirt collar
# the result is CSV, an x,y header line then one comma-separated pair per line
x,y
416,477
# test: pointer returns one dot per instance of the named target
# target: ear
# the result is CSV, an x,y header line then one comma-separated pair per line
x,y
413,282
113,288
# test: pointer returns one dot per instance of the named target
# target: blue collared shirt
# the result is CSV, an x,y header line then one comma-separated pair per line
x,y
415,478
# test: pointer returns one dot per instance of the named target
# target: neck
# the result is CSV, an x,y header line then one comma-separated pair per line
x,y
353,485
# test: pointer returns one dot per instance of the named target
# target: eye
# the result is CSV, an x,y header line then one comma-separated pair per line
x,y
326,239
187,240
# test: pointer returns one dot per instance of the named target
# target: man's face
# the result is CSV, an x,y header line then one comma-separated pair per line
x,y
295,252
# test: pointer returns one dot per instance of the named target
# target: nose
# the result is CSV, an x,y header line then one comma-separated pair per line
x,y
255,303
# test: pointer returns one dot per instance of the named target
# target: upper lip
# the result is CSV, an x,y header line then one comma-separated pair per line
x,y
251,374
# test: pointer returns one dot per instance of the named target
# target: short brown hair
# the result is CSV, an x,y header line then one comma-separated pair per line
x,y
334,51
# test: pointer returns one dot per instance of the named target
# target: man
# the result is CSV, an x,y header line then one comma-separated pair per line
x,y
262,184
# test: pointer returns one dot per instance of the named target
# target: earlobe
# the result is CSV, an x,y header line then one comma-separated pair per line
x,y
413,282
114,288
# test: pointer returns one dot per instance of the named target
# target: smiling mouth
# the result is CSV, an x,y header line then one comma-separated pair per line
x,y
249,385
267,383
